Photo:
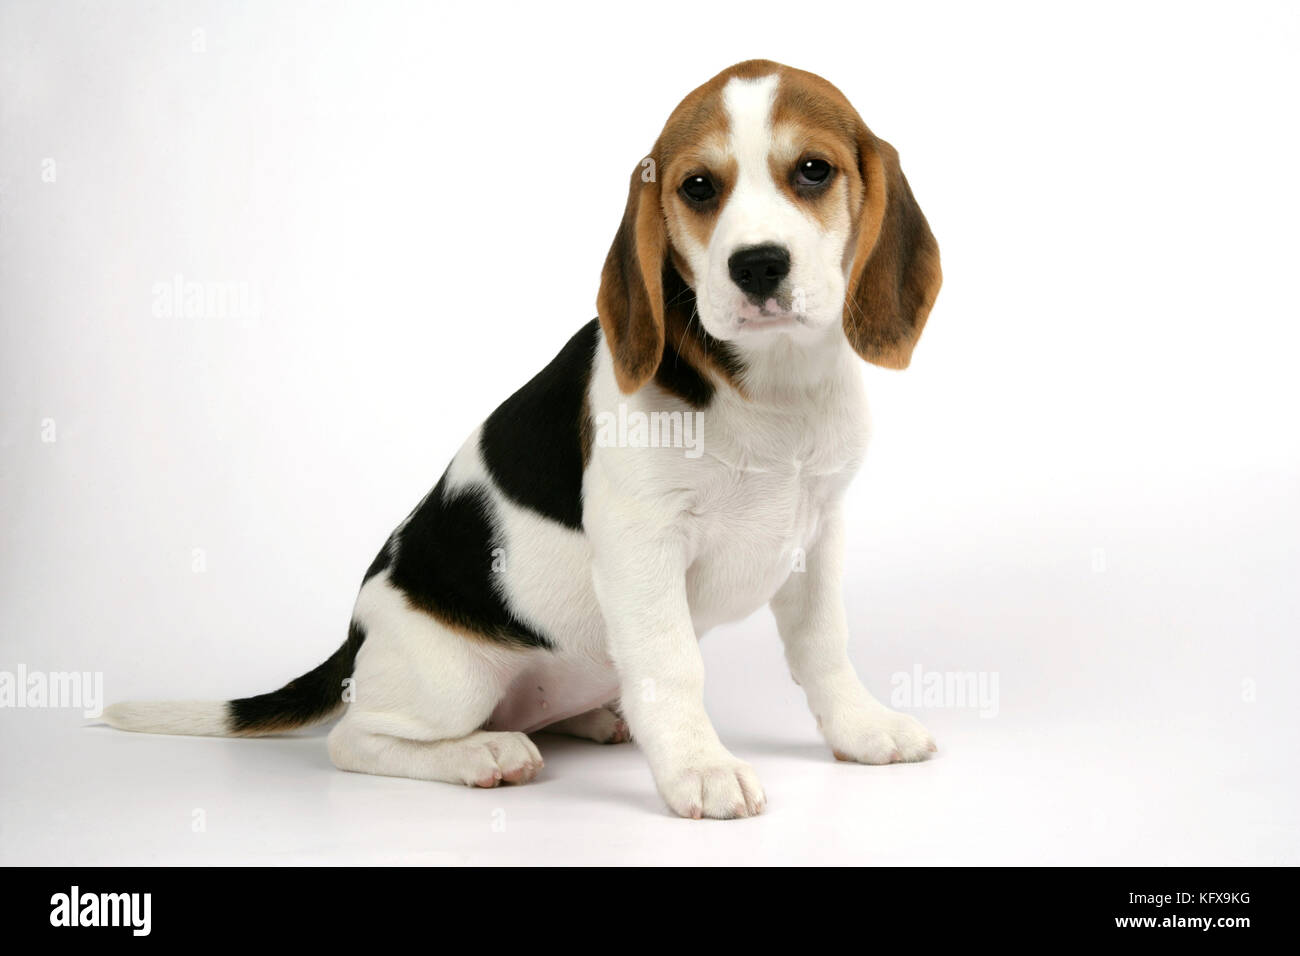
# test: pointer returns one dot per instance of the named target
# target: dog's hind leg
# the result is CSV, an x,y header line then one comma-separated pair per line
x,y
483,758
422,692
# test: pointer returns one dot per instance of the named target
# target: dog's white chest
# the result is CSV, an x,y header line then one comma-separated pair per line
x,y
754,527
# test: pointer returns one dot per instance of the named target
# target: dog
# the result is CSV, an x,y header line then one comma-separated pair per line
x,y
680,463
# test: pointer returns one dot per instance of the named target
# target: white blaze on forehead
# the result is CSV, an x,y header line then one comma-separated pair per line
x,y
756,211
749,111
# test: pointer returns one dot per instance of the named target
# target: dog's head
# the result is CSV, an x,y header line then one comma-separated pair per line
x,y
769,198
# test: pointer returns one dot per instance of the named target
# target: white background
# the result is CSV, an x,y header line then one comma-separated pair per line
x,y
1085,485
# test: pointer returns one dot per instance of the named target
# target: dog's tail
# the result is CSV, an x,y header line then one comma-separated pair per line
x,y
311,699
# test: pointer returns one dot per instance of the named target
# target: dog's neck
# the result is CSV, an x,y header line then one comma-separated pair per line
x,y
792,408
778,369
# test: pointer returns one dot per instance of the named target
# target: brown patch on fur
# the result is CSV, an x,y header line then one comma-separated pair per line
x,y
811,119
630,303
698,222
586,431
460,628
822,203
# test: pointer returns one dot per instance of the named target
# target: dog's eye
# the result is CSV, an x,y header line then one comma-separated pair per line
x,y
699,189
812,172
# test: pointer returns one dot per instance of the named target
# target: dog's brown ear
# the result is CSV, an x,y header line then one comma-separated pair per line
x,y
631,299
895,276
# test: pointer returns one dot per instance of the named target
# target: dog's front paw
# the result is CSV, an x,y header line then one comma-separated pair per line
x,y
878,736
722,788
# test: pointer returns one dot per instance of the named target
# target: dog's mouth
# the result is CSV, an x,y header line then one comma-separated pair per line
x,y
770,315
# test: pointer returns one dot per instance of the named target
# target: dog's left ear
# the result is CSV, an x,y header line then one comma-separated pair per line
x,y
895,276
631,298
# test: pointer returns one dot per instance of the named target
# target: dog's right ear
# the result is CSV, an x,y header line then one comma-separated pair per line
x,y
631,299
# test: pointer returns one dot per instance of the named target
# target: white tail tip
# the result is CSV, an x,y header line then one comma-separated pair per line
x,y
194,718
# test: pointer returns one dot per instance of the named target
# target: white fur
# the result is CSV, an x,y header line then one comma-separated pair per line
x,y
194,718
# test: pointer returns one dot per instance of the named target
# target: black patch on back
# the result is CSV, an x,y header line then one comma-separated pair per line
x,y
382,560
312,697
532,443
444,560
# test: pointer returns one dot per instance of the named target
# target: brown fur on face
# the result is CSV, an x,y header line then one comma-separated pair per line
x,y
892,258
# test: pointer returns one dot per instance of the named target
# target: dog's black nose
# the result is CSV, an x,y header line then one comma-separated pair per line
x,y
758,270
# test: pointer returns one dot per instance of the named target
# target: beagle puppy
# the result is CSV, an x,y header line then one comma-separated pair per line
x,y
678,464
